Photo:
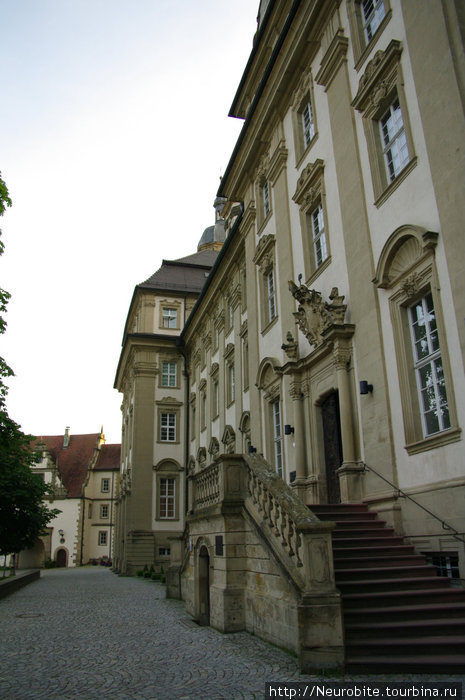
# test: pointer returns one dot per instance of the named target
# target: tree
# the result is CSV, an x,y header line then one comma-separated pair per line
x,y
23,513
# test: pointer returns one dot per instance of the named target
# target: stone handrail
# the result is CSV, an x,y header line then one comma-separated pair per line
x,y
300,541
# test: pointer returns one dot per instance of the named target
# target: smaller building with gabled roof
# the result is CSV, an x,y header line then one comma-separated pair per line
x,y
83,473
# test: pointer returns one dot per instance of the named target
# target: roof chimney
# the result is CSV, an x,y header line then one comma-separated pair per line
x,y
66,438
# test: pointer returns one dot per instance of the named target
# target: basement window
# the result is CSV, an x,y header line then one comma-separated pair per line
x,y
446,563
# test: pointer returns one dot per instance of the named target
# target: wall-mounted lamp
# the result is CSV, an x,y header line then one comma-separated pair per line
x,y
288,429
251,449
365,388
62,536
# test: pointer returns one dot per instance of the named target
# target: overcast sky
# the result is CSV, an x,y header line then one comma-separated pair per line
x,y
113,136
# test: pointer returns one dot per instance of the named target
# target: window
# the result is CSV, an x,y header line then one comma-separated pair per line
x,y
102,538
319,235
40,475
164,551
169,318
168,373
216,398
104,511
394,142
308,124
303,116
373,13
89,510
277,436
167,498
446,563
266,199
367,21
426,388
428,367
203,404
105,485
168,427
380,100
271,296
231,383
310,196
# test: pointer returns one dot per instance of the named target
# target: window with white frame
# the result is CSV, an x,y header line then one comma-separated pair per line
x,y
270,295
394,140
216,398
104,511
168,373
308,123
231,382
428,367
169,317
319,235
168,427
105,485
381,102
167,498
277,436
103,538
373,13
164,551
266,198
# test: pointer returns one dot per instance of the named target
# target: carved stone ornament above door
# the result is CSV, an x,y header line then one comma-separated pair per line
x,y
314,316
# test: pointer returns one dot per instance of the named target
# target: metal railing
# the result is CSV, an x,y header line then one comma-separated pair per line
x,y
445,526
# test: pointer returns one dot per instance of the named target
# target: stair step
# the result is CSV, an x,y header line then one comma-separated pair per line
x,y
352,524
363,542
388,598
381,562
429,583
397,629
416,663
402,612
407,645
373,551
339,508
362,532
392,572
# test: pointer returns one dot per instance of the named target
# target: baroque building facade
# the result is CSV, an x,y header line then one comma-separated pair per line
x,y
324,353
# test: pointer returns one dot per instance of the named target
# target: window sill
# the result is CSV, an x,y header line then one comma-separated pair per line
x,y
270,325
434,441
264,223
319,270
395,183
301,157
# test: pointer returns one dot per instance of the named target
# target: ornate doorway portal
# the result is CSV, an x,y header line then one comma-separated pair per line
x,y
332,445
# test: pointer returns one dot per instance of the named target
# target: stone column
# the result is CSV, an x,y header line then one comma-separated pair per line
x,y
350,473
300,483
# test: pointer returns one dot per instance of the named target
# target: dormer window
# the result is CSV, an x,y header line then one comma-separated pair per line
x,y
169,318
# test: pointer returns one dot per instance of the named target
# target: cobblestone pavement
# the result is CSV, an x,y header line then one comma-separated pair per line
x,y
87,633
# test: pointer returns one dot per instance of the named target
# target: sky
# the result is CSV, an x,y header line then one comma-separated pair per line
x,y
114,132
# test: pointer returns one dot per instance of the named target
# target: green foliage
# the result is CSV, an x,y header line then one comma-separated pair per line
x,y
140,573
49,564
23,515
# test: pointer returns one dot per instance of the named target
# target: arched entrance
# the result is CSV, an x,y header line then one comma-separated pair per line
x,y
62,557
204,586
332,445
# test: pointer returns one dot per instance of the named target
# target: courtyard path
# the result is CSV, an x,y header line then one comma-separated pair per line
x,y
86,633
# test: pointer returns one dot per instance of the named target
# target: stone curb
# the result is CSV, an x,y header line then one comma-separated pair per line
x,y
20,579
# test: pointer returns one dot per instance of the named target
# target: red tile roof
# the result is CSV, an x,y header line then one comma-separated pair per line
x,y
72,461
109,458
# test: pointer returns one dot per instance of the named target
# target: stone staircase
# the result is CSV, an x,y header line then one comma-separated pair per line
x,y
399,615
